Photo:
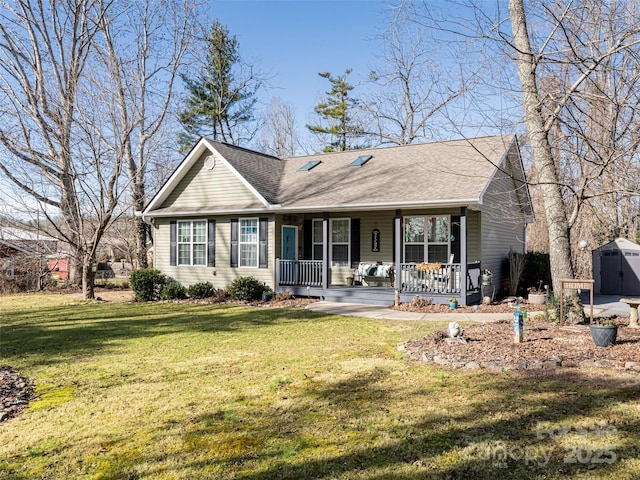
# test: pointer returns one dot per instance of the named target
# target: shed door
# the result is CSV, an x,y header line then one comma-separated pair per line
x,y
620,272
610,272
630,273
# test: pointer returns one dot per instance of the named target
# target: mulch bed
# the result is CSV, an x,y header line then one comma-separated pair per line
x,y
15,392
546,346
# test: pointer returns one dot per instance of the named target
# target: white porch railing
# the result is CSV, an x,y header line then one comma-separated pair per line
x,y
306,273
445,280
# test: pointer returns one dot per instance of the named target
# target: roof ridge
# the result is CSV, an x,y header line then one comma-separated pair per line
x,y
382,147
244,149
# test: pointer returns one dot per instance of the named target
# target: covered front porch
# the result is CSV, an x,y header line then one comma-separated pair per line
x,y
306,278
408,254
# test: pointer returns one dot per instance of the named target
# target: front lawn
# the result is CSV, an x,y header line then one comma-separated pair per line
x,y
184,391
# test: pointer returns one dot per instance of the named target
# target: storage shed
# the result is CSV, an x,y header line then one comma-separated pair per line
x,y
616,268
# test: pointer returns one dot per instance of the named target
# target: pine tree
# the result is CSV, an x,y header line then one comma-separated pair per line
x,y
335,111
222,96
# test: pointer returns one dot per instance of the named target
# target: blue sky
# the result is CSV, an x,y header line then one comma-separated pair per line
x,y
294,40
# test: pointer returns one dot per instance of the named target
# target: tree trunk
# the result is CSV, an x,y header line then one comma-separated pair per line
x,y
141,227
554,206
88,278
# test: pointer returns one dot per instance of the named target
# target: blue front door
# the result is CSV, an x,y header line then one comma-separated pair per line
x,y
289,246
289,252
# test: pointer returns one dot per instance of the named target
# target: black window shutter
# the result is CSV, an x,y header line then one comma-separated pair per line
x,y
173,242
234,242
211,243
307,234
263,251
355,240
455,243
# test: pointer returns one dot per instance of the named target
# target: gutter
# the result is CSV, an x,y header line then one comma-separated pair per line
x,y
471,202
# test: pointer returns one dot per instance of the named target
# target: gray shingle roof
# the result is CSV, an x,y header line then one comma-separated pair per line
x,y
260,170
447,173
440,172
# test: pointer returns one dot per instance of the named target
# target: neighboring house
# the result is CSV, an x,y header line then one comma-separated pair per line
x,y
431,215
22,251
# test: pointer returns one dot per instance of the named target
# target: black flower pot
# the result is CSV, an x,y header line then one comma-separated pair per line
x,y
604,335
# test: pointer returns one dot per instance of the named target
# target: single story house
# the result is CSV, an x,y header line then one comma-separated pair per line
x,y
364,226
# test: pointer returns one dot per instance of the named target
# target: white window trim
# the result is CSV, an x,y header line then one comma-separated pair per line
x,y
256,243
426,241
191,243
331,243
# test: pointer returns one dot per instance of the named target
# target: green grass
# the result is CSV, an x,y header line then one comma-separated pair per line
x,y
178,391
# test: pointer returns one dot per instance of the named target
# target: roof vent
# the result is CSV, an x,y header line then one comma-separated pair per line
x,y
309,165
361,160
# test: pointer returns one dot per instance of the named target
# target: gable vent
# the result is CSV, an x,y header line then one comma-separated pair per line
x,y
361,160
309,165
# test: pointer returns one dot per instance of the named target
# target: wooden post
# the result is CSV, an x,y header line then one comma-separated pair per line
x,y
576,284
463,256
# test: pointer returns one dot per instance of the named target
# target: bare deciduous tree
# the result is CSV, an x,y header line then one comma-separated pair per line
x,y
76,110
574,63
143,69
278,135
43,54
411,88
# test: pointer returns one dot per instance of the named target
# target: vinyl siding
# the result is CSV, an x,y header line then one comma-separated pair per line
x,y
222,274
502,226
215,187
474,239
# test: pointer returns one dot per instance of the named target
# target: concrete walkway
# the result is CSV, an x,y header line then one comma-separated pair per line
x,y
603,305
372,311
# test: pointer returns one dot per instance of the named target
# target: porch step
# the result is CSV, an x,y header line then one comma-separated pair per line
x,y
367,296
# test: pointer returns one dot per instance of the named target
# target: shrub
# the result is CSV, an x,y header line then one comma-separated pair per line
x,y
246,288
173,291
147,283
201,290
536,271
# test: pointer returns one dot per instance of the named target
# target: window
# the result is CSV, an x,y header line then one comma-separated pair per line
x,y
340,235
309,165
248,242
426,239
317,239
192,242
361,160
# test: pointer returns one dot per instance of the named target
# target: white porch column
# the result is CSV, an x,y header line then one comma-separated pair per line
x,y
398,248
325,251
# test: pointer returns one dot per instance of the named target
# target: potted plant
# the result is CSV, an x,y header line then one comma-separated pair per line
x,y
453,303
537,295
604,332
487,277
